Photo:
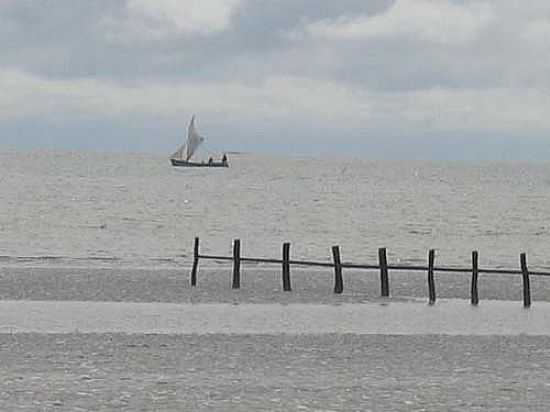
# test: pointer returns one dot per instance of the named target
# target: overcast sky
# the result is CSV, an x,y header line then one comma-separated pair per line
x,y
433,79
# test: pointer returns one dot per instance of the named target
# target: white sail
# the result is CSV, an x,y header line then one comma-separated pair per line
x,y
178,154
193,139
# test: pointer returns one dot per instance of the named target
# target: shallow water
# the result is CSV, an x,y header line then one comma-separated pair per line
x,y
334,372
448,317
86,209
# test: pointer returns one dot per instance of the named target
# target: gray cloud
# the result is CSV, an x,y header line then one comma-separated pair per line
x,y
101,39
404,69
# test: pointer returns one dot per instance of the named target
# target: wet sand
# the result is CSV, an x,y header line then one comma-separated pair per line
x,y
243,372
274,373
257,286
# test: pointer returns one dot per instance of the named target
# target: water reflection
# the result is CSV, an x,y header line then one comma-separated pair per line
x,y
447,317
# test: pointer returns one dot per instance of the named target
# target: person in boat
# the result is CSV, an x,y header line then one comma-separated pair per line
x,y
224,159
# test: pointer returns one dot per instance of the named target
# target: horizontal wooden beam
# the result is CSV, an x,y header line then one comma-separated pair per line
x,y
345,265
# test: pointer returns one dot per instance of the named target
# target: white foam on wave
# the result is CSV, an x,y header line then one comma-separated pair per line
x,y
447,317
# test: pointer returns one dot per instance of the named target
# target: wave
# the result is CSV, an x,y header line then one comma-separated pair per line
x,y
84,261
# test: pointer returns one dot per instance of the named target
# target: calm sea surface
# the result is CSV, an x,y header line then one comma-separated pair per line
x,y
137,210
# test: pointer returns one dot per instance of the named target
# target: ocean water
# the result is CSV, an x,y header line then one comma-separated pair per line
x,y
136,210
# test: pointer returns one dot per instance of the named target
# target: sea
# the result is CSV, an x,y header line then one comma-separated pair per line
x,y
136,210
96,307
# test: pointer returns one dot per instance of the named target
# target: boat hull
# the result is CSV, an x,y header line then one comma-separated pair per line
x,y
184,163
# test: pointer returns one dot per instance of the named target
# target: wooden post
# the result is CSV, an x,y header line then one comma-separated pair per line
x,y
384,281
338,281
474,294
286,267
431,283
236,264
526,286
195,263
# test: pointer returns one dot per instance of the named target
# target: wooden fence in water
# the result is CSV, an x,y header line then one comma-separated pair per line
x,y
382,266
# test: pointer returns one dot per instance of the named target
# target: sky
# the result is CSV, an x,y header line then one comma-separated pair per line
x,y
397,79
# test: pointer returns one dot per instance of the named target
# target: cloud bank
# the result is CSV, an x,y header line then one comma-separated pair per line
x,y
305,71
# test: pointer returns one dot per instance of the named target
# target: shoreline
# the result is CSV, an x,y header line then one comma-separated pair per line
x,y
257,286
450,317
276,371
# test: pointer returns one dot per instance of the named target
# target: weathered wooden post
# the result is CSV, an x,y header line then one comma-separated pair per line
x,y
338,281
474,294
431,283
384,281
526,286
286,267
195,263
236,264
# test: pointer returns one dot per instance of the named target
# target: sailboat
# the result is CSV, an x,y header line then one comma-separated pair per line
x,y
182,156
